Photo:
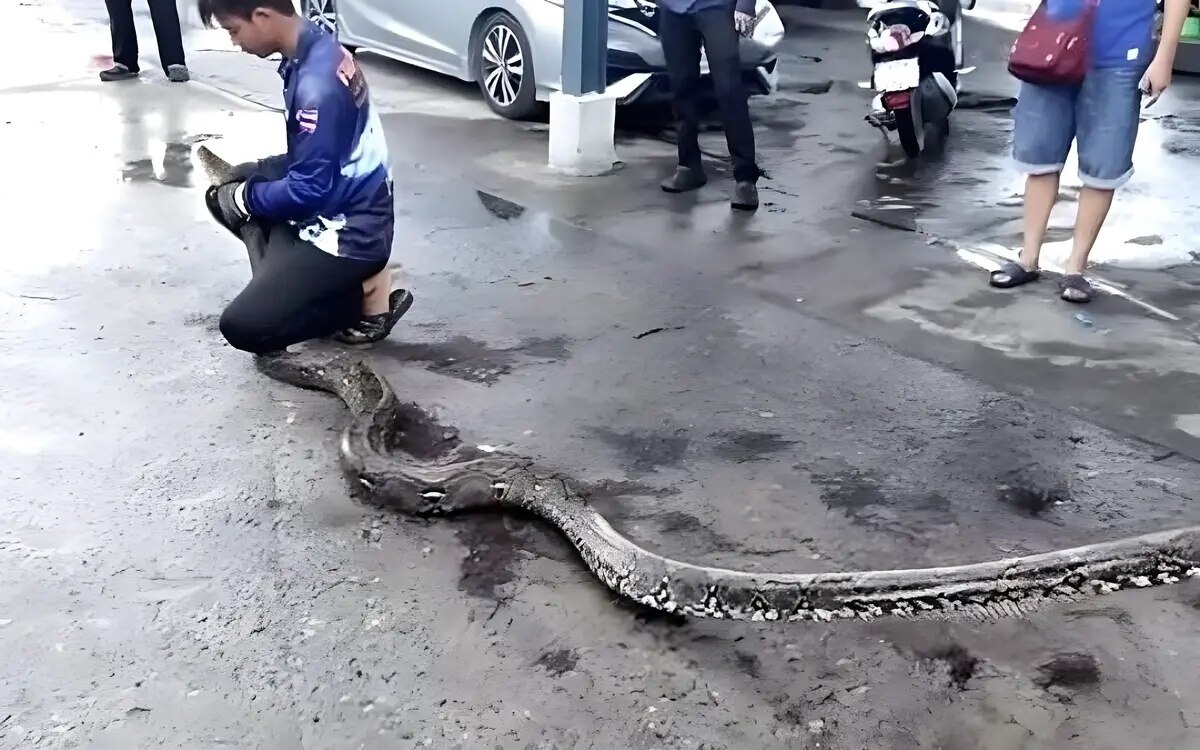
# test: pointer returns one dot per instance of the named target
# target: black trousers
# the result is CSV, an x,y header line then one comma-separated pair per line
x,y
296,292
682,36
167,32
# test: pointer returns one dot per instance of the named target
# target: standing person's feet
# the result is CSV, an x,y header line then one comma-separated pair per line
x,y
684,180
374,328
178,73
1013,274
1075,288
745,196
118,72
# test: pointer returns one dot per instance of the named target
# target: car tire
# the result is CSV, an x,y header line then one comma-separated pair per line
x,y
504,68
323,13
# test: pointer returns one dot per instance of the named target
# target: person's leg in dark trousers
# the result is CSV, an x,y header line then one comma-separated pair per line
x,y
722,48
124,36
167,32
298,292
681,42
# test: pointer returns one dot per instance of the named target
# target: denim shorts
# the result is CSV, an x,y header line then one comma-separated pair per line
x,y
1102,114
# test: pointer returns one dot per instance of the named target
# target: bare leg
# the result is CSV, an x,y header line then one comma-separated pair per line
x,y
375,293
1093,209
1041,192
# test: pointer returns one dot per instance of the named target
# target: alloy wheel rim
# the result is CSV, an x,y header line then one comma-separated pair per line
x,y
323,14
503,65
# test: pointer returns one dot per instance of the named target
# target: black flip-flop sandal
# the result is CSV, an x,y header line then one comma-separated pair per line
x,y
1013,274
1074,288
376,328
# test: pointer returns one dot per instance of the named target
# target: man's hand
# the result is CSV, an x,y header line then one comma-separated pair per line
x,y
242,172
1157,79
229,205
1158,75
744,23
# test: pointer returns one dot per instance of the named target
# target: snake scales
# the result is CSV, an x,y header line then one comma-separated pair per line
x,y
405,460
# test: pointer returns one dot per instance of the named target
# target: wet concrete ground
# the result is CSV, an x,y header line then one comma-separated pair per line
x,y
800,390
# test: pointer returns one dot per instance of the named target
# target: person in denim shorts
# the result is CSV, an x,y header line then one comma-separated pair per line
x,y
1101,116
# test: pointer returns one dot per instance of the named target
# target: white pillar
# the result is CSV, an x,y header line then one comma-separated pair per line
x,y
581,133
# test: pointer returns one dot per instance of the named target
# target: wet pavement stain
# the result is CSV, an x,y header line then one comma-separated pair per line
x,y
499,207
1119,616
808,87
851,493
493,550
1073,671
861,497
748,663
644,453
609,489
474,361
747,445
961,665
698,535
1146,241
558,662
1030,501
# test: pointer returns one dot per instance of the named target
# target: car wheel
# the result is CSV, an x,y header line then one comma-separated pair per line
x,y
504,68
323,13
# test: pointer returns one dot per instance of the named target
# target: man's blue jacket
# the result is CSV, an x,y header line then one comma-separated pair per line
x,y
336,184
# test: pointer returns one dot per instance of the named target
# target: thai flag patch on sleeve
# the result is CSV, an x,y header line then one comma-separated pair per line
x,y
307,120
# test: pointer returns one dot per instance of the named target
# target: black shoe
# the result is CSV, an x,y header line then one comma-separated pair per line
x,y
684,180
745,196
374,328
118,72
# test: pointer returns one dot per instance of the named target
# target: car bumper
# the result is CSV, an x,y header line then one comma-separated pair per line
x,y
637,70
641,86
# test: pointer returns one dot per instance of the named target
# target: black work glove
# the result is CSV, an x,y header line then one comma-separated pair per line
x,y
271,168
227,204
244,171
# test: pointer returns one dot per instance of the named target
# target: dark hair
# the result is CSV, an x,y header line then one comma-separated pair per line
x,y
242,8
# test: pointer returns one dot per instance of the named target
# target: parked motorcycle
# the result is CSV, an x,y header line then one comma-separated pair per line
x,y
916,54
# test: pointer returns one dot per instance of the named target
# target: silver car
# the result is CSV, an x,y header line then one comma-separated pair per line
x,y
513,48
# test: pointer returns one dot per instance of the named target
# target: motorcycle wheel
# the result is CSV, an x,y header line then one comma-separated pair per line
x,y
906,130
935,136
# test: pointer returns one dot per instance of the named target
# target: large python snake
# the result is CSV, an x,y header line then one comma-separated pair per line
x,y
405,460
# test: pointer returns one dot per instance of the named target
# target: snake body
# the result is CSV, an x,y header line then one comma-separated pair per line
x,y
399,454
407,461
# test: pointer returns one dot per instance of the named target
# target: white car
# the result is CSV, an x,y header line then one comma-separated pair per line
x,y
513,48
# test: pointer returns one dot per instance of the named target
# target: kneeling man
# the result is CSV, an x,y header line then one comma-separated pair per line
x,y
318,221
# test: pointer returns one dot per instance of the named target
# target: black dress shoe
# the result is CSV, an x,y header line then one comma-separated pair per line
x,y
745,196
684,180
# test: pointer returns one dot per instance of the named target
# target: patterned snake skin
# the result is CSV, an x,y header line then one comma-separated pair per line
x,y
406,461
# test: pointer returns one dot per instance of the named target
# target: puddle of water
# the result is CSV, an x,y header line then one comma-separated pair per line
x,y
169,164
1189,423
475,361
